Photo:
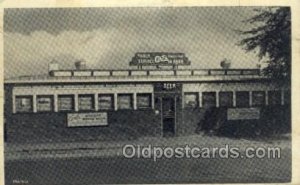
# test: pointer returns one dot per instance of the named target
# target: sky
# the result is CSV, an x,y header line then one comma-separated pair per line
x,y
108,38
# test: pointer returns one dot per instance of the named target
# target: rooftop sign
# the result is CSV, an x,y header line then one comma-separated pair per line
x,y
159,58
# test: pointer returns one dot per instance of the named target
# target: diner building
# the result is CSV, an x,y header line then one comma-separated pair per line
x,y
155,99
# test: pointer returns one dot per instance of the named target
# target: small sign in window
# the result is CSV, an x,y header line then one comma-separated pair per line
x,y
191,100
44,103
24,104
125,101
143,101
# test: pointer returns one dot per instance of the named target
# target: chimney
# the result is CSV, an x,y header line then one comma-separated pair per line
x,y
258,66
225,63
80,65
53,66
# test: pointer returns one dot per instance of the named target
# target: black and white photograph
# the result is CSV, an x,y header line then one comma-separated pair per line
x,y
147,95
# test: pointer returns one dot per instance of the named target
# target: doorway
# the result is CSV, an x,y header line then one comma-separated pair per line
x,y
168,116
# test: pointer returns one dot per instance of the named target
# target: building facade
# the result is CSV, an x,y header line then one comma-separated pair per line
x,y
84,104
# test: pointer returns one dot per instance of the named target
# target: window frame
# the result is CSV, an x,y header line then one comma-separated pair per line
x,y
51,103
66,95
215,97
23,96
112,101
236,99
144,94
131,101
277,99
197,99
223,92
264,101
92,96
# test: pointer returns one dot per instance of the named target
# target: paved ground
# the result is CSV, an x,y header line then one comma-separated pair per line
x,y
97,163
120,170
113,149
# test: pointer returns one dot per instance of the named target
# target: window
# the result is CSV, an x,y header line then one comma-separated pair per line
x,y
242,98
287,97
258,98
226,99
191,100
23,104
44,103
106,101
86,102
274,97
143,101
124,101
209,99
65,102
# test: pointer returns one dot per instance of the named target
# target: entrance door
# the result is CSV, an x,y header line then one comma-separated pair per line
x,y
168,116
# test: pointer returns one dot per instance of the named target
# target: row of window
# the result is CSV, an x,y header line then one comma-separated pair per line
x,y
86,102
242,98
45,103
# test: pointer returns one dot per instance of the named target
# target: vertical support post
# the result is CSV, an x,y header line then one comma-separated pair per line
x,y
175,116
134,101
182,100
250,98
34,103
14,103
55,103
96,106
267,98
200,99
152,100
282,97
115,101
161,117
234,98
217,99
76,102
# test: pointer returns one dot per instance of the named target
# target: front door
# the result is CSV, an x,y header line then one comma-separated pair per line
x,y
168,116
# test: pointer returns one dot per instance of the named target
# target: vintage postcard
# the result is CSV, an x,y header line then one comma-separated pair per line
x,y
150,93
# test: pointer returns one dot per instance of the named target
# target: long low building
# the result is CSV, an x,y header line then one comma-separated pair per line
x,y
83,104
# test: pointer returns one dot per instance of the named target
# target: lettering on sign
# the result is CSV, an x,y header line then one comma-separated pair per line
x,y
160,58
169,86
87,119
243,113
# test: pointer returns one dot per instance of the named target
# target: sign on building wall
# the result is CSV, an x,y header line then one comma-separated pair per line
x,y
243,113
160,58
87,119
168,87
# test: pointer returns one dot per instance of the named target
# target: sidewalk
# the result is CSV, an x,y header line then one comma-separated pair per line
x,y
114,148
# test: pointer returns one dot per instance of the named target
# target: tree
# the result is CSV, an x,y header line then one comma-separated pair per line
x,y
271,37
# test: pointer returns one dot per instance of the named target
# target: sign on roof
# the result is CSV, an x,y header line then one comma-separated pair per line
x,y
160,58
